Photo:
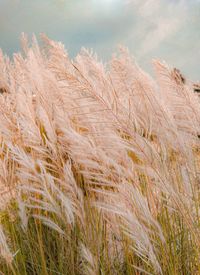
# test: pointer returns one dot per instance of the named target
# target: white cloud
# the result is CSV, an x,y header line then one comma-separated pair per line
x,y
149,7
167,29
160,19
163,29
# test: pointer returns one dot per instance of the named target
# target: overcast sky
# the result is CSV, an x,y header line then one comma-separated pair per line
x,y
165,29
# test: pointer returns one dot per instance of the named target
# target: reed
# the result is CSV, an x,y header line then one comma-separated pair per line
x,y
99,165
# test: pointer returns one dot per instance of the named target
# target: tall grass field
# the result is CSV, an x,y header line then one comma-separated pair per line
x,y
99,165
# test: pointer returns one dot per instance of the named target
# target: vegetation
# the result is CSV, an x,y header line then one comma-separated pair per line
x,y
99,166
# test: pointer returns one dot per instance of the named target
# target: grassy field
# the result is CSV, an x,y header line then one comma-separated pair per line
x,y
99,165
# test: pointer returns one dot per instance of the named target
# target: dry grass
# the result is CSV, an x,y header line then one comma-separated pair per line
x,y
101,164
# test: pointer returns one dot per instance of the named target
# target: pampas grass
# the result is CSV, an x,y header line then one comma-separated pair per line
x,y
99,165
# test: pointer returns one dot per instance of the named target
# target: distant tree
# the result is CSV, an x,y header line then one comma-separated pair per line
x,y
196,87
178,77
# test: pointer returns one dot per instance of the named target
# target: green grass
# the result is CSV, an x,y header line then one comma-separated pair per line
x,y
41,250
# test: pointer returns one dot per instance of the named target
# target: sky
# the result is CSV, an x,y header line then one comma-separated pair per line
x,y
165,29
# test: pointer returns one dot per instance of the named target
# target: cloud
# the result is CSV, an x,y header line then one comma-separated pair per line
x,y
166,29
159,20
148,8
163,29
